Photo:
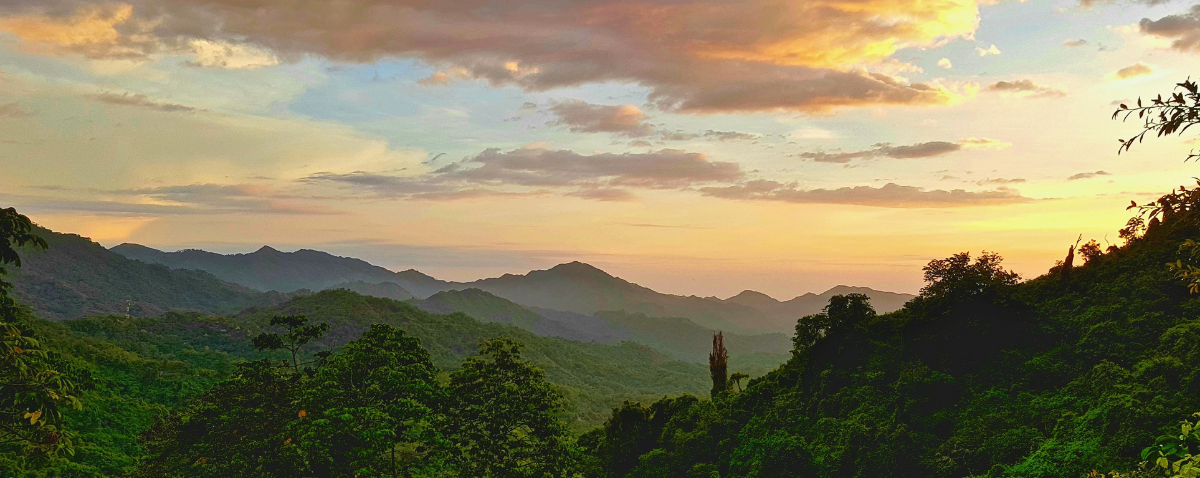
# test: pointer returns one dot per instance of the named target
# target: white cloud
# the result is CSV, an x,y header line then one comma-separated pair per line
x,y
989,51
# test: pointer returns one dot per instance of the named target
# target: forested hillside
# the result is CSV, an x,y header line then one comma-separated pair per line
x,y
572,288
982,375
269,269
596,376
676,337
76,277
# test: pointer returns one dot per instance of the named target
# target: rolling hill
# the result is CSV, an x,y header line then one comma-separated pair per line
x,y
76,277
573,287
269,269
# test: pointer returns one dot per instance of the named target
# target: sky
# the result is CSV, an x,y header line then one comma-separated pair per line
x,y
692,146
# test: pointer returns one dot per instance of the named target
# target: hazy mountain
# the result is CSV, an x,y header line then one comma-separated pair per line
x,y
269,269
78,277
385,290
676,337
681,338
584,289
597,377
574,287
486,307
810,303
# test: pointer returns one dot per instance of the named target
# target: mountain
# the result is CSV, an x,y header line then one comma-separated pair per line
x,y
684,340
76,277
810,303
573,287
385,290
596,377
676,337
584,289
269,269
486,307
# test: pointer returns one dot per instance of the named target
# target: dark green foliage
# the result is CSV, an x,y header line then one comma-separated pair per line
x,y
76,277
374,408
502,417
979,376
593,377
298,334
370,402
1174,114
35,384
16,231
236,429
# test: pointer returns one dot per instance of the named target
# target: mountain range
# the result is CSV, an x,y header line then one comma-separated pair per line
x,y
573,287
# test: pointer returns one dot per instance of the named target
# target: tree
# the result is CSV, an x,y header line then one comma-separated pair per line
x,y
718,365
299,334
841,312
369,403
502,418
959,278
238,428
33,385
1176,113
16,230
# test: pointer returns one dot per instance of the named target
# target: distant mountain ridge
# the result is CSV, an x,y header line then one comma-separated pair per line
x,y
573,287
269,269
76,277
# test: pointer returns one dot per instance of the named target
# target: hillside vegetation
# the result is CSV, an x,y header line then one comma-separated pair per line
x,y
981,375
76,277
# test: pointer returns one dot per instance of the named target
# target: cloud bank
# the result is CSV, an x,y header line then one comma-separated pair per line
x,y
890,195
694,56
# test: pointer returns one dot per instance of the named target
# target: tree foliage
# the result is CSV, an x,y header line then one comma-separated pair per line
x,y
34,387
502,416
1174,114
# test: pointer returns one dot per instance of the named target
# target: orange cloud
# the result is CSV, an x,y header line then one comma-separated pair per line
x,y
91,29
694,55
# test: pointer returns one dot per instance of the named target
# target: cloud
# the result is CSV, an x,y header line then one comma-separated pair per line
x,y
185,199
985,143
604,194
13,110
1088,175
207,198
1182,29
986,182
1133,71
912,151
1074,43
141,101
988,51
666,168
890,195
945,63
583,117
599,176
812,133
629,121
731,136
443,78
1026,89
693,56
222,54
392,186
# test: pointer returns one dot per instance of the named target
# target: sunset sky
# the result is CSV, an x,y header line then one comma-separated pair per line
x,y
695,147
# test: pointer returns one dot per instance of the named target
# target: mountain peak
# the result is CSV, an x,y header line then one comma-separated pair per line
x,y
267,250
846,289
751,295
576,268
